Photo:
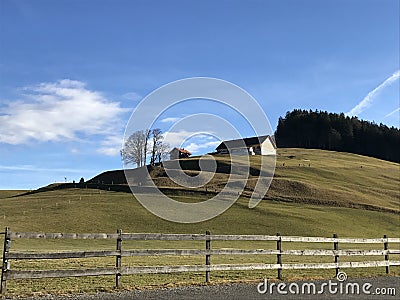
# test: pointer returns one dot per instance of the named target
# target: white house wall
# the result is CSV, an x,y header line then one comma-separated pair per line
x,y
267,148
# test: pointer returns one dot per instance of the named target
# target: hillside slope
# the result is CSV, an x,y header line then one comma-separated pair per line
x,y
336,178
301,175
293,206
91,210
313,192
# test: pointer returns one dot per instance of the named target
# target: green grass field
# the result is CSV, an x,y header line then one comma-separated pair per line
x,y
314,193
75,210
320,177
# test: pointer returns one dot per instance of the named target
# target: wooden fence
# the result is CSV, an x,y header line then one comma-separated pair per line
x,y
8,273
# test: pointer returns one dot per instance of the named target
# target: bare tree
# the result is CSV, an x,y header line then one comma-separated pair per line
x,y
147,133
135,147
157,142
162,152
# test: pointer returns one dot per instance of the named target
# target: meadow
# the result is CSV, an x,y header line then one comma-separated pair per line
x,y
314,193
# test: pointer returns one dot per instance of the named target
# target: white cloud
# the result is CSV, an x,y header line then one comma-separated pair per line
x,y
196,147
176,138
32,168
367,101
393,112
132,96
58,111
195,142
111,146
170,120
74,150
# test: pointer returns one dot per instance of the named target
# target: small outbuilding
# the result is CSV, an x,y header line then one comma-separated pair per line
x,y
178,153
258,145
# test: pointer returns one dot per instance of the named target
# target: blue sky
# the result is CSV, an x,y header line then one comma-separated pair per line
x,y
72,72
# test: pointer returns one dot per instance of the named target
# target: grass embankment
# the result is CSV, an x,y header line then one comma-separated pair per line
x,y
321,176
337,178
10,193
302,175
315,177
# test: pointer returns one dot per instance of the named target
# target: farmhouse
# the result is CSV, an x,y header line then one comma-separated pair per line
x,y
258,145
178,153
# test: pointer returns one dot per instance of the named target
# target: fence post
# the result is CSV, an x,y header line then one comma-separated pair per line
x,y
386,247
5,264
336,248
208,260
279,256
118,258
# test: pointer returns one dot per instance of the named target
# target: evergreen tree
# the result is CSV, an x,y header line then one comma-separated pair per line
x,y
331,131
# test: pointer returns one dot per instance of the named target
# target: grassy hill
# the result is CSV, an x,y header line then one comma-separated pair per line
x,y
301,175
336,178
11,193
314,192
76,210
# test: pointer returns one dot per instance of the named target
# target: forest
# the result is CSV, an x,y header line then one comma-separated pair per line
x,y
338,132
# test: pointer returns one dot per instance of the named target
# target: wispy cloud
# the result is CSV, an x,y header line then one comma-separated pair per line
x,y
111,146
58,111
195,142
177,138
170,120
32,168
367,101
199,146
132,96
393,112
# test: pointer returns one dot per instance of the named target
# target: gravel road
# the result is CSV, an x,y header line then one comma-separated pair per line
x,y
388,285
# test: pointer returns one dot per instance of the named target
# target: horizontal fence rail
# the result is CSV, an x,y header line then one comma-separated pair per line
x,y
119,270
188,268
77,236
180,252
198,237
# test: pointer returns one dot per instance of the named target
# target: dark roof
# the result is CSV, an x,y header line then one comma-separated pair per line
x,y
181,150
251,141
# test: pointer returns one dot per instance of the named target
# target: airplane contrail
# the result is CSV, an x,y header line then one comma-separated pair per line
x,y
367,101
393,112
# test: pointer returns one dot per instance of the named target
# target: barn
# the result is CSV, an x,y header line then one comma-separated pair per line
x,y
178,153
258,145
